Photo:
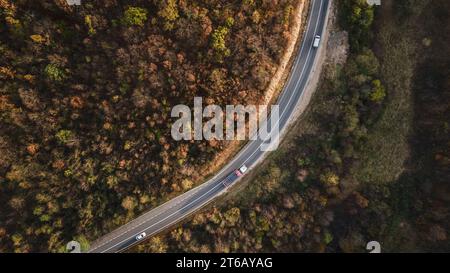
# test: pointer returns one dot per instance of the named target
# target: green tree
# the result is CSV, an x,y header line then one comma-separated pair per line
x,y
327,238
232,216
357,17
168,10
350,119
218,41
64,136
378,91
54,73
329,178
367,62
135,16
88,22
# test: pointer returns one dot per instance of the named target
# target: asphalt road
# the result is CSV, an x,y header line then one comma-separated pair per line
x,y
184,205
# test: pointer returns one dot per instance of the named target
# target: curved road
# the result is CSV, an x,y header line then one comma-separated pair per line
x,y
184,205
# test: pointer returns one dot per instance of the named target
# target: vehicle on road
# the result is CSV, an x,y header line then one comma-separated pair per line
x,y
316,41
141,236
174,211
234,176
243,169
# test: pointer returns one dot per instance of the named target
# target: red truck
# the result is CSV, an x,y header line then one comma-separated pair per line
x,y
227,181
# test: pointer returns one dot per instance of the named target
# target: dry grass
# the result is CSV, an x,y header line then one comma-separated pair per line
x,y
387,148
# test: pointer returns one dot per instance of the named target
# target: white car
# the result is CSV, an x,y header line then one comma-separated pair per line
x,y
141,236
316,41
243,169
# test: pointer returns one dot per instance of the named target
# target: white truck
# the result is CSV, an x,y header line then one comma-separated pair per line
x,y
316,41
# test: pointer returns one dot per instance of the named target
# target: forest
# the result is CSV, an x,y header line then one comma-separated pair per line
x,y
369,161
85,99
